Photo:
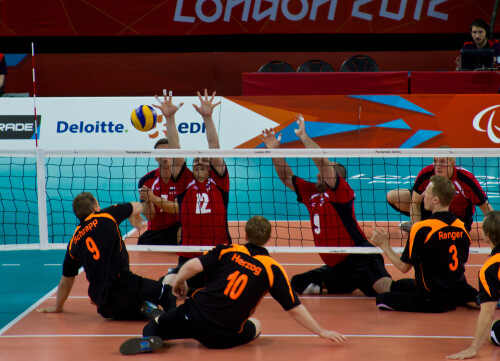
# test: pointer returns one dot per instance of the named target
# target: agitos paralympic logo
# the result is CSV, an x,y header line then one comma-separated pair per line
x,y
487,126
18,126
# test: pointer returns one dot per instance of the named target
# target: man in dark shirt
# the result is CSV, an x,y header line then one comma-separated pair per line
x,y
218,315
97,246
489,287
481,35
438,249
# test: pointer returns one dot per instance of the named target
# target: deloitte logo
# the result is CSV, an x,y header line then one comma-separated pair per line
x,y
96,127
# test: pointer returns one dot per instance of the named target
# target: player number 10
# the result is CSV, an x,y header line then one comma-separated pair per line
x,y
236,284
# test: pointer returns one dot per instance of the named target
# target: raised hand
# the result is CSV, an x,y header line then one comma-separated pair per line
x,y
167,107
379,237
207,105
269,139
302,126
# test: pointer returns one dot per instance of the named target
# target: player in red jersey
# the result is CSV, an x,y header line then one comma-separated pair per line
x,y
330,202
219,315
468,193
97,246
157,192
202,194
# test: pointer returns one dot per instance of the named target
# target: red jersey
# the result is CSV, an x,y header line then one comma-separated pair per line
x,y
332,217
203,209
468,192
153,181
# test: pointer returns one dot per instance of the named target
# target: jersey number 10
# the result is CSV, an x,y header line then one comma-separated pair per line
x,y
236,284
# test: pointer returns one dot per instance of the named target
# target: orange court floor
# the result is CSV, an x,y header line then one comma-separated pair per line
x,y
80,333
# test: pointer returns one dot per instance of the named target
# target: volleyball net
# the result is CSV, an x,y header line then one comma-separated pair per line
x,y
37,188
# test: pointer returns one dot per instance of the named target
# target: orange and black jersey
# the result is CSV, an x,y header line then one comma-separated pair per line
x,y
489,278
438,249
238,276
97,245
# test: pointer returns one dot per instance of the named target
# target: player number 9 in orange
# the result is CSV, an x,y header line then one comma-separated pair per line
x,y
92,247
236,284
454,258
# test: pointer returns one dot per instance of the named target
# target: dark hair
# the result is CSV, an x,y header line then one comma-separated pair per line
x,y
83,205
443,188
491,227
480,23
258,230
161,142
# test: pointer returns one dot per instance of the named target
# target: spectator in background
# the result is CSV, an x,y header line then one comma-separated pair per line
x,y
3,73
481,35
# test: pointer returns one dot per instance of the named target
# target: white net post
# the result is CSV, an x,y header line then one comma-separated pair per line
x,y
42,199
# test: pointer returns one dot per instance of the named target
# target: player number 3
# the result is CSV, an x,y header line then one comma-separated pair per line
x,y
454,258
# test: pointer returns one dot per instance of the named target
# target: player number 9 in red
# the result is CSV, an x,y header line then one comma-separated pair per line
x,y
92,247
236,284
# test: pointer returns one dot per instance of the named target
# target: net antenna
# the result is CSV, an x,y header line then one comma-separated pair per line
x,y
34,91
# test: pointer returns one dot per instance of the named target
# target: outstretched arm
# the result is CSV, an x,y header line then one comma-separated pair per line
x,y
302,316
168,109
486,208
135,218
324,165
63,291
206,109
380,238
483,326
283,170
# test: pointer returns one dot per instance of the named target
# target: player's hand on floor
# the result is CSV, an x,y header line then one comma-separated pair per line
x,y
334,336
462,355
52,309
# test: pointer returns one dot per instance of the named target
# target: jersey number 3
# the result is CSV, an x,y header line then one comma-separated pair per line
x,y
454,258
236,284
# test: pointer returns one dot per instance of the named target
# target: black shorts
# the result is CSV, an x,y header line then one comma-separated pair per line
x,y
185,322
166,237
127,293
357,271
412,300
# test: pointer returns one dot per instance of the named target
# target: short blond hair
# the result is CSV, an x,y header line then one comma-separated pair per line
x,y
443,188
491,227
258,230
